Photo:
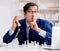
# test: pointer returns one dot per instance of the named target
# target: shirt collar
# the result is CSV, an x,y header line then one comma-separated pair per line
x,y
27,24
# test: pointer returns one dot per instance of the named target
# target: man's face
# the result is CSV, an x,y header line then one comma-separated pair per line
x,y
31,14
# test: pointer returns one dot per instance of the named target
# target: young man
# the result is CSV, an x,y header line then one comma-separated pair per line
x,y
31,28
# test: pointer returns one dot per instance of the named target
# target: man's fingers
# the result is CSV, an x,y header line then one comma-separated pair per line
x,y
32,24
15,20
16,17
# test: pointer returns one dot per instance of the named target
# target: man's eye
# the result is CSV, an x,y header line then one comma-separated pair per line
x,y
35,11
29,11
32,11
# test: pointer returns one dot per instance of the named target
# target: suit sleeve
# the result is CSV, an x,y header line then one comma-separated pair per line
x,y
8,38
48,30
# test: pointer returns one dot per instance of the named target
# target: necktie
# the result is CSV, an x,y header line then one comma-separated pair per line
x,y
27,30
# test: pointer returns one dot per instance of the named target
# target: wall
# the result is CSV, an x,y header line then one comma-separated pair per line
x,y
8,9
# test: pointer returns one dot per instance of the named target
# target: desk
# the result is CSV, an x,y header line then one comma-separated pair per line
x,y
24,48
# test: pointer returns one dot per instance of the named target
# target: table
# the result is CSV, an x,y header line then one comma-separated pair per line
x,y
29,47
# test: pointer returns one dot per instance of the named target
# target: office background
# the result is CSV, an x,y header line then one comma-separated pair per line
x,y
48,9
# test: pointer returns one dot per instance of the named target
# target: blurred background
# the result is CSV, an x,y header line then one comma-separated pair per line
x,y
48,10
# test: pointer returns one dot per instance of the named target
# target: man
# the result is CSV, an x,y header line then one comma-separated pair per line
x,y
31,28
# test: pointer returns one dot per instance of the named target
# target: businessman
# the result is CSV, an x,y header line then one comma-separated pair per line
x,y
32,28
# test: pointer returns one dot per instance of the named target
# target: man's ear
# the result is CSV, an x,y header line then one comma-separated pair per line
x,y
24,13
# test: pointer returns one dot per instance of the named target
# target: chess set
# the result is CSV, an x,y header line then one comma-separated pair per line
x,y
32,45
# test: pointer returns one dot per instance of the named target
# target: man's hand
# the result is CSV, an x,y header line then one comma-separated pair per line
x,y
34,26
15,23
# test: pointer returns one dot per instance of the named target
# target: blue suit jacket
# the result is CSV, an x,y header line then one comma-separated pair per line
x,y
33,35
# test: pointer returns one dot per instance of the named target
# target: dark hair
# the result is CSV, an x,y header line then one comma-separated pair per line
x,y
26,7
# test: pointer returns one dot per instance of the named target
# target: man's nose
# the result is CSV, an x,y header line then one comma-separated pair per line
x,y
33,13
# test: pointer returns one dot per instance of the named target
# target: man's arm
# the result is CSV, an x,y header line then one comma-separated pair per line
x,y
8,37
48,33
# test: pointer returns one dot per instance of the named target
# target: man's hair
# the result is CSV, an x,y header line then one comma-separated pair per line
x,y
27,6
